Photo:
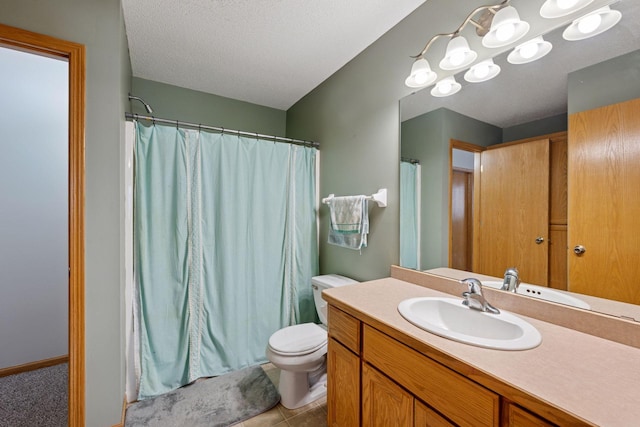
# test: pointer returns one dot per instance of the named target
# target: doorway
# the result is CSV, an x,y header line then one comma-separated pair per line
x,y
464,161
74,55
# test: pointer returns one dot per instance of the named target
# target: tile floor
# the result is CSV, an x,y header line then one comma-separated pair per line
x,y
311,415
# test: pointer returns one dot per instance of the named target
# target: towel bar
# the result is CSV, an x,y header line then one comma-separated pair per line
x,y
380,198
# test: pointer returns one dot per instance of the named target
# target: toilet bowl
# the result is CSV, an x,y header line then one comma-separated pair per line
x,y
300,351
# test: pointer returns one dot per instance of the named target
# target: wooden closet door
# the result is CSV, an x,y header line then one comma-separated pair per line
x,y
604,201
514,211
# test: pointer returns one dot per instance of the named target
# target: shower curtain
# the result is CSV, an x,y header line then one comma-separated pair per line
x,y
225,247
410,215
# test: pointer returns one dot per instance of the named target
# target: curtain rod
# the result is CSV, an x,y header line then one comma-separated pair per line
x,y
408,160
134,116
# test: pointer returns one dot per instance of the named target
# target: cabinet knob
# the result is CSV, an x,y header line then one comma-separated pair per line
x,y
579,250
539,240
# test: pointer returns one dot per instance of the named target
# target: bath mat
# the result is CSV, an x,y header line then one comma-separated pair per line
x,y
220,401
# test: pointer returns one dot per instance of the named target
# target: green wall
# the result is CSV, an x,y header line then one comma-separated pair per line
x,y
356,121
609,82
535,128
177,103
99,25
426,138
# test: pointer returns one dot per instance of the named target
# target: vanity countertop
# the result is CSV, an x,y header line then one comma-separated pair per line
x,y
593,379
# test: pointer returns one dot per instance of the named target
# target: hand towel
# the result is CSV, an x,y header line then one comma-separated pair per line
x,y
349,218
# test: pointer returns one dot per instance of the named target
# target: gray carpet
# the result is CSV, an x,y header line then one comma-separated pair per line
x,y
219,401
36,398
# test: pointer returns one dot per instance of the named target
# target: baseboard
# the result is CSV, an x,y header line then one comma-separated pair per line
x,y
124,411
18,369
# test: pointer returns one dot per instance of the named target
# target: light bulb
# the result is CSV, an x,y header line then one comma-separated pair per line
x,y
444,86
421,78
566,4
589,23
481,70
505,32
456,58
529,50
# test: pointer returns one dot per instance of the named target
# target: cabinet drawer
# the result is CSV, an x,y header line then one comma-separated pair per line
x,y
344,328
459,399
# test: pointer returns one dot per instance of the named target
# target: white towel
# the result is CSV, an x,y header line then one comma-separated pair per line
x,y
349,222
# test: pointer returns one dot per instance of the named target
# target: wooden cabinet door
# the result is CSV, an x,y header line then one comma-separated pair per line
x,y
427,417
604,201
514,211
343,386
384,403
518,417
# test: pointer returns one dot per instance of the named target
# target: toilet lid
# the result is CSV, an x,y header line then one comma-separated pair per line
x,y
298,339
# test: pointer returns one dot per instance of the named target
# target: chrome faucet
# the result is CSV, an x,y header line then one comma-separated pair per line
x,y
474,298
511,280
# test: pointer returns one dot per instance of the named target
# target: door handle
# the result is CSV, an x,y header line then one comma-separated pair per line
x,y
539,240
579,250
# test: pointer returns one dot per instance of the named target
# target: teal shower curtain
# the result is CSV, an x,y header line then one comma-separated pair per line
x,y
409,215
225,247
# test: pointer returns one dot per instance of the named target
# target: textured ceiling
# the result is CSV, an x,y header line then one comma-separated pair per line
x,y
273,52
267,52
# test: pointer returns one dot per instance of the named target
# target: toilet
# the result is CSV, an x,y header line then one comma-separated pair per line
x,y
300,351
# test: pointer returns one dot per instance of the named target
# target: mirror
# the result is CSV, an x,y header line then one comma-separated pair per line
x,y
524,101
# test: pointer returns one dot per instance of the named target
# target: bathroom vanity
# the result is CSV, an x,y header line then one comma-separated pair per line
x,y
384,371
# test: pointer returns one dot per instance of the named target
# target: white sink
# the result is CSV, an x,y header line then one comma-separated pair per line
x,y
448,318
542,292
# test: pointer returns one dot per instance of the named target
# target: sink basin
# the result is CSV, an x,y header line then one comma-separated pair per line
x,y
544,293
448,318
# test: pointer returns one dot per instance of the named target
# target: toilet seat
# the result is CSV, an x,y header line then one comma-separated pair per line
x,y
298,340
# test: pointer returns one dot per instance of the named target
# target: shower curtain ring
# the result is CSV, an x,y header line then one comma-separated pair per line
x,y
177,124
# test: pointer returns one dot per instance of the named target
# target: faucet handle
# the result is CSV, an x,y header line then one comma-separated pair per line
x,y
473,284
474,299
511,280
511,271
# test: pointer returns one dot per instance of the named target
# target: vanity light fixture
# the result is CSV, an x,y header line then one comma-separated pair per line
x,y
558,8
506,28
482,71
499,26
529,51
446,87
421,74
458,54
592,24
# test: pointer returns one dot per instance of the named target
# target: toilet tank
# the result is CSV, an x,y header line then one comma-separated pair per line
x,y
319,283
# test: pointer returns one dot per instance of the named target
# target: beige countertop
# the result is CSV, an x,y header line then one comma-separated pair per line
x,y
593,379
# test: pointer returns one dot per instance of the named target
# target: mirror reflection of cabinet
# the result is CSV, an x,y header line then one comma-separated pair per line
x,y
604,201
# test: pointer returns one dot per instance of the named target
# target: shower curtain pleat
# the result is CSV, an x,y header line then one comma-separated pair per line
x,y
226,248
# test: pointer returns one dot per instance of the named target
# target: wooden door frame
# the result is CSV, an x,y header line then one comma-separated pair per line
x,y
75,55
476,149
